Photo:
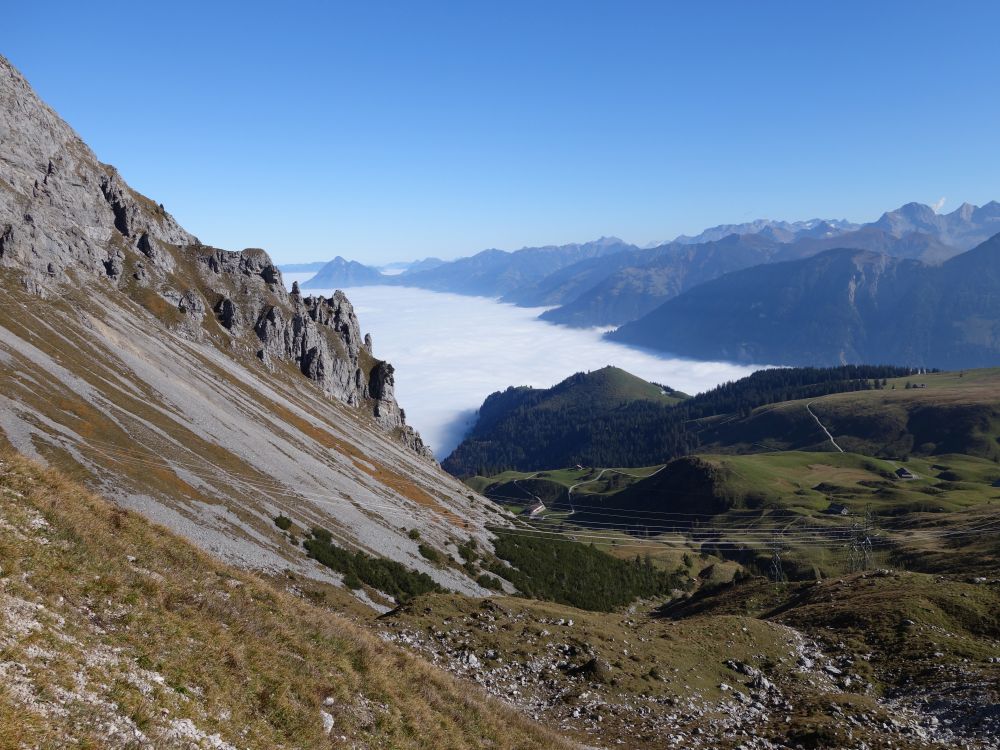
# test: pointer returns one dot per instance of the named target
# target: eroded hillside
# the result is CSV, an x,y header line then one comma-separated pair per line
x,y
185,382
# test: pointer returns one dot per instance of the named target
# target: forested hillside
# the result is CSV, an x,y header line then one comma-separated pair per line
x,y
583,419
529,429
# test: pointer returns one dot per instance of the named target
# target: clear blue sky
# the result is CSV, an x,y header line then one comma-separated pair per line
x,y
391,131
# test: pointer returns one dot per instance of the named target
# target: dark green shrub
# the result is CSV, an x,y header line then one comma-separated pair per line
x,y
283,522
576,574
321,534
468,550
429,553
490,582
358,567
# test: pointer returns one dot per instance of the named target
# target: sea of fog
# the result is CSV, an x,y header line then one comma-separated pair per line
x,y
450,352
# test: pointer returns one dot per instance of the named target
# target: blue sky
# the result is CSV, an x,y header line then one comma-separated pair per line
x,y
384,131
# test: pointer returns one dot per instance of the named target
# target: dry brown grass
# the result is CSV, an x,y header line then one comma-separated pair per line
x,y
126,607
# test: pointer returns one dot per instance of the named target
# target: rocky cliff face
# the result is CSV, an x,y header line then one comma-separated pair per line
x,y
62,211
66,219
186,383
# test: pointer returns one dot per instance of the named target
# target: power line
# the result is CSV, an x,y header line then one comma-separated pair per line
x,y
777,571
745,536
708,533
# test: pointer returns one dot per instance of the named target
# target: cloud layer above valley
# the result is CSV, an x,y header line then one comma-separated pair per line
x,y
451,351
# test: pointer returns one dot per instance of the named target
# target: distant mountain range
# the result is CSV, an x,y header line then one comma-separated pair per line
x,y
390,269
490,273
588,275
629,289
609,283
340,272
782,231
642,281
841,306
963,228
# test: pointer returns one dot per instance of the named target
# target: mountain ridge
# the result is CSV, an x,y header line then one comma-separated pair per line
x,y
341,272
616,285
773,229
841,306
188,384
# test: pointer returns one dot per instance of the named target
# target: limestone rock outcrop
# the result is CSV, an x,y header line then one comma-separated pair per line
x,y
67,220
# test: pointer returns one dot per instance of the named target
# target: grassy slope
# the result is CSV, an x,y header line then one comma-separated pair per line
x,y
518,489
632,644
915,628
814,479
107,620
903,635
893,635
957,412
608,387
649,669
747,497
921,524
954,413
792,488
790,491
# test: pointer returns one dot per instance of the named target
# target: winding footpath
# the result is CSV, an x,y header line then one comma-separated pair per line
x,y
822,426
569,491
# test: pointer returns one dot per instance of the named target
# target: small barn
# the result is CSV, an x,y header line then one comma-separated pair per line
x,y
903,473
836,509
534,509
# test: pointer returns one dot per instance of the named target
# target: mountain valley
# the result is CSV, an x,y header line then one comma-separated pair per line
x,y
611,283
219,529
